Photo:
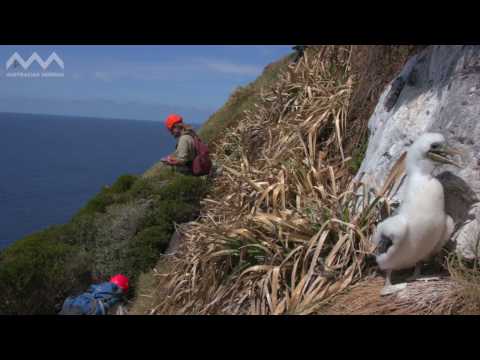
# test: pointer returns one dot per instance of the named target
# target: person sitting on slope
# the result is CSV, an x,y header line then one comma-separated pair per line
x,y
191,156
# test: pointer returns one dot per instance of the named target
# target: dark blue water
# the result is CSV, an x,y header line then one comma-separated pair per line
x,y
50,166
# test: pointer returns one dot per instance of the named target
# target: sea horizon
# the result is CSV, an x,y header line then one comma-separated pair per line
x,y
160,120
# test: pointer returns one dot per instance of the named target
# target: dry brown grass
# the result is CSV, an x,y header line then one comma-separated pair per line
x,y
285,229
437,297
457,294
467,279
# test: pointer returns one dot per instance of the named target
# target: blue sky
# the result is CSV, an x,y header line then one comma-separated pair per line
x,y
134,81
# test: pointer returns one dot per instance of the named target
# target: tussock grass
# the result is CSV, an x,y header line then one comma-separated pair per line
x,y
285,228
242,99
467,279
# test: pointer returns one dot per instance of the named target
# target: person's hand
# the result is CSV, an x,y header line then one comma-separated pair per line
x,y
172,160
169,160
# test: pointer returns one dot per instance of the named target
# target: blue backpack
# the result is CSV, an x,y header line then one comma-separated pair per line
x,y
96,301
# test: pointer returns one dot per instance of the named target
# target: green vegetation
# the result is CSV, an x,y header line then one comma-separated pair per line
x,y
130,237
115,194
123,184
37,272
144,250
358,156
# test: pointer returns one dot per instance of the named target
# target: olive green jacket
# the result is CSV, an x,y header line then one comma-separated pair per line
x,y
185,152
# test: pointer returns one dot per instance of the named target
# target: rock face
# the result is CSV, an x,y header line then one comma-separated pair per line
x,y
438,90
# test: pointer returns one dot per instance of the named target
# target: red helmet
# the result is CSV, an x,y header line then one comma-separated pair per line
x,y
171,120
121,281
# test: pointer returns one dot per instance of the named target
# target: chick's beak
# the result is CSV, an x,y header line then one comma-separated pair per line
x,y
445,155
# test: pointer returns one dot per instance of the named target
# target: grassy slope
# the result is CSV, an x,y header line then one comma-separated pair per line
x,y
241,100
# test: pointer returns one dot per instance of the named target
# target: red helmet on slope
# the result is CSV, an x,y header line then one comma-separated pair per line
x,y
121,281
171,120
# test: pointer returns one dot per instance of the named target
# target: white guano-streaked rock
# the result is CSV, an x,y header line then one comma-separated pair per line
x,y
441,93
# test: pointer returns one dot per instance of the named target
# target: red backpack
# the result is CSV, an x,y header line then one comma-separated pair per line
x,y
201,164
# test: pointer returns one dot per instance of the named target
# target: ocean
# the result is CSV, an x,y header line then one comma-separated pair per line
x,y
50,166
